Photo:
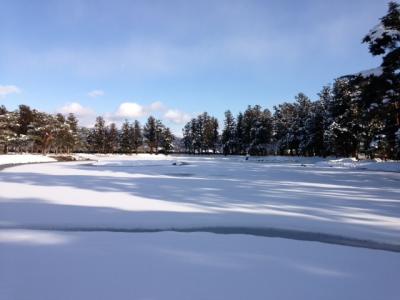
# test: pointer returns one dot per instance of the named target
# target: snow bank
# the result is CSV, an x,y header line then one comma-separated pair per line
x,y
344,163
371,165
122,157
7,159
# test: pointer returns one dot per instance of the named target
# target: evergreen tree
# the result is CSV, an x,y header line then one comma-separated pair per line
x,y
284,117
167,140
159,134
125,138
313,141
73,137
150,133
188,139
382,88
345,131
239,134
99,135
25,118
299,137
43,130
61,134
8,129
136,136
228,138
326,99
111,138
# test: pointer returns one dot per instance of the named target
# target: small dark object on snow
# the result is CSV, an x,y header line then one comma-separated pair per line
x,y
180,163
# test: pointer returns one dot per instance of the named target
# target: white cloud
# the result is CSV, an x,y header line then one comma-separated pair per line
x,y
77,109
96,93
176,116
135,110
156,106
8,89
85,115
130,110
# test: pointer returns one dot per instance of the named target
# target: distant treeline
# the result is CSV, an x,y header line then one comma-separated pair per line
x,y
358,114
29,130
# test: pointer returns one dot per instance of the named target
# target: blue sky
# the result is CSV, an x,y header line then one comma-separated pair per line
x,y
175,59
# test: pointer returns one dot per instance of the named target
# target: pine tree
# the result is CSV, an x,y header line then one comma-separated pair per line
x,y
325,99
239,134
136,136
25,119
299,134
150,133
167,140
228,138
211,137
284,117
99,135
159,134
345,131
8,129
43,130
125,138
313,141
73,137
188,139
111,139
383,91
263,131
61,133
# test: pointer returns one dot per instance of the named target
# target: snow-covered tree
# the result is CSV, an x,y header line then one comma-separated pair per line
x,y
345,131
73,137
8,129
382,87
43,130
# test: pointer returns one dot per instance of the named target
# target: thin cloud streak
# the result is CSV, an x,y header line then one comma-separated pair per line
x,y
8,89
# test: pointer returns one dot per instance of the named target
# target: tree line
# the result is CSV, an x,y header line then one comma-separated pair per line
x,y
357,114
29,130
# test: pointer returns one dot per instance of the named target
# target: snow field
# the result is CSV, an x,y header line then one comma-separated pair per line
x,y
150,192
59,265
114,193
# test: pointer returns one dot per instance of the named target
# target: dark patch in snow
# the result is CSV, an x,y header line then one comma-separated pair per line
x,y
179,174
261,232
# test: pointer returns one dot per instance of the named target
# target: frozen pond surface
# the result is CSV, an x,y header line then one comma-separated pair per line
x,y
70,265
152,193
98,231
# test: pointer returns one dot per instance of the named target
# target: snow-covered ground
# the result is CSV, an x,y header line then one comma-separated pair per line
x,y
158,192
60,265
10,159
341,198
